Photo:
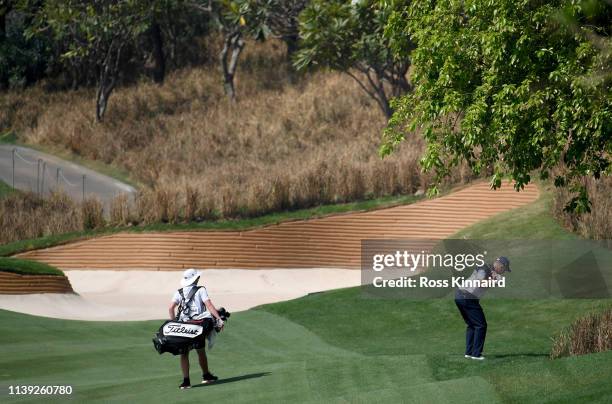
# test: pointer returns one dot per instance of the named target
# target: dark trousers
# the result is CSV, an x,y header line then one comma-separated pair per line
x,y
476,323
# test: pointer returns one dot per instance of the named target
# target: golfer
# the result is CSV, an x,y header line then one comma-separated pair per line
x,y
194,305
467,300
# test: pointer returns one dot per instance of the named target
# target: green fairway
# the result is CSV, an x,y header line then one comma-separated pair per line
x,y
19,266
519,334
328,347
409,353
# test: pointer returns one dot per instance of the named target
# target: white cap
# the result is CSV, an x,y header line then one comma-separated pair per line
x,y
190,277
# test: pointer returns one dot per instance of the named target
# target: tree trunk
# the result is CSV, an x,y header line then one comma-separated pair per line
x,y
386,107
4,79
2,26
159,71
234,44
398,80
383,101
292,42
109,73
103,94
101,102
73,70
378,87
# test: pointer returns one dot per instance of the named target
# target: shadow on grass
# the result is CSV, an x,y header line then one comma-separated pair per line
x,y
234,379
518,355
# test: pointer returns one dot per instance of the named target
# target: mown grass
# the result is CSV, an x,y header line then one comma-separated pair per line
x,y
533,221
8,137
5,189
263,357
335,346
518,338
26,267
237,225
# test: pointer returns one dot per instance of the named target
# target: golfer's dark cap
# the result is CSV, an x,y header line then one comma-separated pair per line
x,y
505,262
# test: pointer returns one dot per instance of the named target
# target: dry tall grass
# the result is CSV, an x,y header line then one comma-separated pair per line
x,y
24,216
589,334
92,214
594,225
289,142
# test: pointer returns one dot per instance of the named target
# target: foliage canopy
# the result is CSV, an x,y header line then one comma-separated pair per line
x,y
349,37
512,86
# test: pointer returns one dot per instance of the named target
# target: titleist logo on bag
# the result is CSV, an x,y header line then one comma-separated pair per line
x,y
183,330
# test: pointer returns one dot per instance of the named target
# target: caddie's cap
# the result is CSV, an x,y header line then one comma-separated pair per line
x,y
190,277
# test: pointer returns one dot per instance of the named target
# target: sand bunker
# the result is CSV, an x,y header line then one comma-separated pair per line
x,y
119,289
145,295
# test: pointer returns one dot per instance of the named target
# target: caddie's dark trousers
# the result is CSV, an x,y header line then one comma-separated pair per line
x,y
476,323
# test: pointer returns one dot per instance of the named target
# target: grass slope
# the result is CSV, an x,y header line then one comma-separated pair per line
x,y
532,222
327,347
322,125
263,357
518,343
5,189
19,266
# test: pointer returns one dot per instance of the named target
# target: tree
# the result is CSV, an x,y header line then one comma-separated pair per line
x,y
501,85
235,19
157,45
97,31
170,39
5,7
349,37
231,22
23,60
282,18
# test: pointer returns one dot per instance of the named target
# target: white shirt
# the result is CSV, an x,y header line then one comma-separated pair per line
x,y
196,308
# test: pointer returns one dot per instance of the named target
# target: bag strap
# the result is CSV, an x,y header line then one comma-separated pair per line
x,y
180,307
185,301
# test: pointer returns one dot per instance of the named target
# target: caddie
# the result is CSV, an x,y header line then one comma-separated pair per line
x,y
194,304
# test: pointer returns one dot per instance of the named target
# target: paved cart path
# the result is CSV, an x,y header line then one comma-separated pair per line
x,y
29,173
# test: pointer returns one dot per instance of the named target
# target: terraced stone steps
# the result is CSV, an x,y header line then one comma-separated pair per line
x,y
332,241
18,284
